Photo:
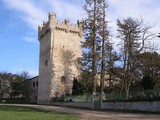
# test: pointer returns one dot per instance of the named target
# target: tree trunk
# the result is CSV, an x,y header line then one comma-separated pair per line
x,y
103,56
94,58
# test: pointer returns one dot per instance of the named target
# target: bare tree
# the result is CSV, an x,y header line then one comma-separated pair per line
x,y
133,37
5,79
26,87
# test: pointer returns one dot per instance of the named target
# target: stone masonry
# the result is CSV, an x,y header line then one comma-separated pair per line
x,y
60,52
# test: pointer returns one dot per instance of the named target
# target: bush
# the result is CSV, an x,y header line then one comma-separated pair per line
x,y
13,100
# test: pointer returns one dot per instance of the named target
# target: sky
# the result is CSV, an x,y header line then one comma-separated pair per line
x,y
19,20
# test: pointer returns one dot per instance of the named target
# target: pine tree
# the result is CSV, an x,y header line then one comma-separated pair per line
x,y
111,57
104,39
92,40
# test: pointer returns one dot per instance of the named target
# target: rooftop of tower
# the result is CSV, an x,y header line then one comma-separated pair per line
x,y
65,26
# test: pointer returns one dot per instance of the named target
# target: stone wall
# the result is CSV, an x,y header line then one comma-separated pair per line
x,y
131,106
32,89
74,104
136,106
45,66
67,50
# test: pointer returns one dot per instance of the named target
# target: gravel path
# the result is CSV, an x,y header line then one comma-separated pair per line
x,y
93,115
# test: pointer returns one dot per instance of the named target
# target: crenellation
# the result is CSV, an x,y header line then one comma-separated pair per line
x,y
43,28
40,28
64,26
52,19
74,25
52,16
80,24
61,25
67,22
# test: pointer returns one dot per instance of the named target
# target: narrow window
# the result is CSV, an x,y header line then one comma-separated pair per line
x,y
46,63
37,83
33,84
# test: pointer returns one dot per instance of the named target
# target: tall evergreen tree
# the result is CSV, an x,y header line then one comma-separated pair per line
x,y
149,69
104,37
92,39
111,58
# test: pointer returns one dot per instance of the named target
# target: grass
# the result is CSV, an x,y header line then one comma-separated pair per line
x,y
26,113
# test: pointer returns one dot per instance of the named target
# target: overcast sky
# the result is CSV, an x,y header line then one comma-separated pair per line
x,y
19,46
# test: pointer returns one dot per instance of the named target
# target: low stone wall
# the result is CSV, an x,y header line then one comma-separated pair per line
x,y
135,106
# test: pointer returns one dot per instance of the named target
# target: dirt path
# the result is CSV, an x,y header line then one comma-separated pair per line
x,y
94,115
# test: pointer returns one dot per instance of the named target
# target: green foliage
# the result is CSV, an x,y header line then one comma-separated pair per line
x,y
13,85
17,87
115,95
87,81
77,88
24,113
147,83
79,98
133,35
149,65
146,95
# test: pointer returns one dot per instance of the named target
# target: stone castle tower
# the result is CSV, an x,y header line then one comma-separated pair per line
x,y
60,51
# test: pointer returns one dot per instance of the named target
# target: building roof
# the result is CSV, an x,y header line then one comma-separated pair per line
x,y
33,78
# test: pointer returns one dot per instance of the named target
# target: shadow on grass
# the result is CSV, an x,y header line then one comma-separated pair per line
x,y
27,109
19,109
27,113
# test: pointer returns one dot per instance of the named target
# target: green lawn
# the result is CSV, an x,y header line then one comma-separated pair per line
x,y
25,113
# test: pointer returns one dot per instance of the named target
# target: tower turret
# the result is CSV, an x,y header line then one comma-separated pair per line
x,y
52,19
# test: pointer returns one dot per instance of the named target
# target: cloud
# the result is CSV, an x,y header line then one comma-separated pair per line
x,y
65,9
30,13
134,9
33,73
147,9
34,12
30,39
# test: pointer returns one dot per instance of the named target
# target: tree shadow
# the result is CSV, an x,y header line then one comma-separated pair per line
x,y
18,109
68,60
31,111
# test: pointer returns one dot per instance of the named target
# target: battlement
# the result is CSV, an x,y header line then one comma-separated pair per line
x,y
65,26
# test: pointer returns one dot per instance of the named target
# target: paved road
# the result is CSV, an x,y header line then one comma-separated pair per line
x,y
94,115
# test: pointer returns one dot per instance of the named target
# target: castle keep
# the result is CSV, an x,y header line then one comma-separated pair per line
x,y
60,51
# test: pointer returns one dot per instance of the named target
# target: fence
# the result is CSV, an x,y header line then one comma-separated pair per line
x,y
148,95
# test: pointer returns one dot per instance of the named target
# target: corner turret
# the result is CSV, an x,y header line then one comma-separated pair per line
x,y
80,23
52,19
